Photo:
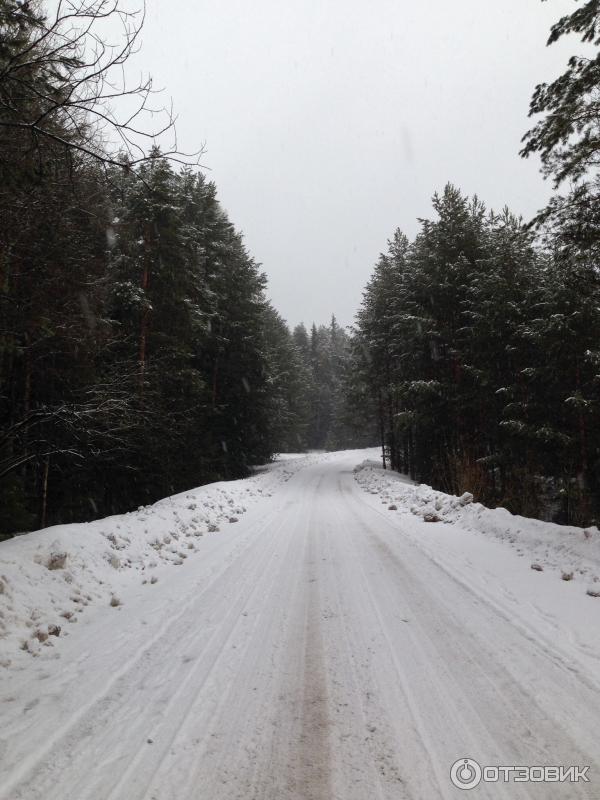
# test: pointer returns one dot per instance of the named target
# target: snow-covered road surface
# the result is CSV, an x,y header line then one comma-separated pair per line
x,y
321,648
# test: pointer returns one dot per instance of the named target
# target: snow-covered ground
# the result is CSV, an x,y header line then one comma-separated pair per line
x,y
303,634
571,553
49,578
546,577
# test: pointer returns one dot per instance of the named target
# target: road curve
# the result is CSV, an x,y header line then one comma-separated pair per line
x,y
316,654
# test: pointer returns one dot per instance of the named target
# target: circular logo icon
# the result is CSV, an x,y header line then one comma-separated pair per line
x,y
465,773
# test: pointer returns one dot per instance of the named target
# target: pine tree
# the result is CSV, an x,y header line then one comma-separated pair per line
x,y
477,346
566,137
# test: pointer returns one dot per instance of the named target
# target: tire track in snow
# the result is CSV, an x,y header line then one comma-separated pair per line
x,y
56,755
208,711
247,742
315,753
352,689
179,708
420,725
467,676
551,648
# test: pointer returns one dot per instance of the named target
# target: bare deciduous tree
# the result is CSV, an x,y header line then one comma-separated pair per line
x,y
62,79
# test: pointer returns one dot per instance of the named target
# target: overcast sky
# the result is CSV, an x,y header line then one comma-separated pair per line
x,y
328,124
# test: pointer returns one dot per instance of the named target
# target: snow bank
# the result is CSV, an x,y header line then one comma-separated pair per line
x,y
574,553
49,577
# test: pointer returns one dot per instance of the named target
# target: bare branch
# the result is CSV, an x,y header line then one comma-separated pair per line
x,y
62,83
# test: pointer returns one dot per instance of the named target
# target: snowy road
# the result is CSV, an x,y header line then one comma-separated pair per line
x,y
310,652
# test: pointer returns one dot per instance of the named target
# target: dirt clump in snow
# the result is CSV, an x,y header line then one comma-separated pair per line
x,y
56,561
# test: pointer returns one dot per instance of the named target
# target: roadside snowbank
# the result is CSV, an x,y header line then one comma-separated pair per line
x,y
574,553
49,577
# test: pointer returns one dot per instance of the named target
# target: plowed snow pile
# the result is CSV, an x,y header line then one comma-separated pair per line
x,y
49,577
573,552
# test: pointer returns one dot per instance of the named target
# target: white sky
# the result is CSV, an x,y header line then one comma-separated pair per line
x,y
329,124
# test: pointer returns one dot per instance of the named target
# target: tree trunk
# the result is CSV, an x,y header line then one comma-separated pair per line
x,y
382,429
143,331
582,433
215,382
394,460
44,512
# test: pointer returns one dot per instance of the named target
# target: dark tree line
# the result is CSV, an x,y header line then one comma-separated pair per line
x,y
478,342
481,350
139,355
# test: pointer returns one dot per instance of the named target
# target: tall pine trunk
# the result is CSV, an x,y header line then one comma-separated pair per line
x,y
144,330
